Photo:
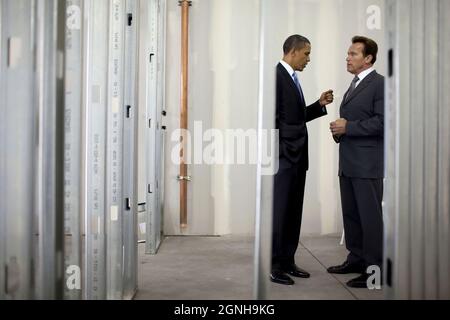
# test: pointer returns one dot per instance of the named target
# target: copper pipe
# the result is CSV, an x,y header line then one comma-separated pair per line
x,y
183,178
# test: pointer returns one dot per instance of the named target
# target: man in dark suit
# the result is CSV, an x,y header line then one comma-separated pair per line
x,y
360,135
289,183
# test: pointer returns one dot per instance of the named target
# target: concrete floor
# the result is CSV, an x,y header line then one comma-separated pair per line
x,y
221,268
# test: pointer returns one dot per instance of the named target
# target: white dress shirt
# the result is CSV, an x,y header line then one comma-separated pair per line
x,y
364,74
289,69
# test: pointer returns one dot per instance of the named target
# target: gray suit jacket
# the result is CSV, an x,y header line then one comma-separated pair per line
x,y
361,150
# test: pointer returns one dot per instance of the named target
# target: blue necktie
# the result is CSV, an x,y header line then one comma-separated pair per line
x,y
297,84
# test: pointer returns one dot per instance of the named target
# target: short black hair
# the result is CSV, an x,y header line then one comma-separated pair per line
x,y
296,42
370,47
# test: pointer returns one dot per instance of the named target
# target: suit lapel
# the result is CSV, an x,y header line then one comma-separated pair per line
x,y
289,80
359,88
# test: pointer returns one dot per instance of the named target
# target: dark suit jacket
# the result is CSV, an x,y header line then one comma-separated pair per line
x,y
361,151
291,117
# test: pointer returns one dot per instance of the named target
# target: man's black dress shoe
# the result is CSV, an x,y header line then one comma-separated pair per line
x,y
281,278
295,271
359,282
346,267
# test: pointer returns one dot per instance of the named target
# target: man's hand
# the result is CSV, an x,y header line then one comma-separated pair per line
x,y
338,127
326,98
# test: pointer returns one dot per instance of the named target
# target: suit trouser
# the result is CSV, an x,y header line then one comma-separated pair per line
x,y
363,219
289,188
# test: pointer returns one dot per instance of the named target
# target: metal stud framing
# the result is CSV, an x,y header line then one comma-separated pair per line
x,y
264,182
73,196
130,176
70,69
18,126
152,85
417,158
31,77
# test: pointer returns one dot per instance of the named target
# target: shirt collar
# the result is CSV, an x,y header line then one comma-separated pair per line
x,y
364,74
288,68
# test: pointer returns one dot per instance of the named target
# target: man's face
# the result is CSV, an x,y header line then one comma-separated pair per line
x,y
300,57
356,62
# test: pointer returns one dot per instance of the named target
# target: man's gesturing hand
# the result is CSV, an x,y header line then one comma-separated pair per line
x,y
326,98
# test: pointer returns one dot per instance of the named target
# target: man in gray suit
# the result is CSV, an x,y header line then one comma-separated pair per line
x,y
359,132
